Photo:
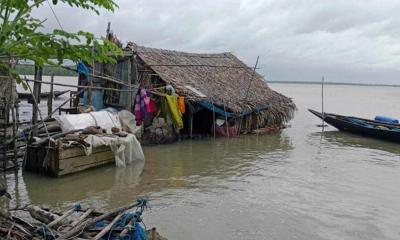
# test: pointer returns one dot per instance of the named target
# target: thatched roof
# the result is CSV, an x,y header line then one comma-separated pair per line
x,y
219,78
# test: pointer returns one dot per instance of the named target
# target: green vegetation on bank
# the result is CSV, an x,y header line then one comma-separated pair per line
x,y
47,70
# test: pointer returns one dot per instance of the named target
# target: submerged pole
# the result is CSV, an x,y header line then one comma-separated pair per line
x,y
322,104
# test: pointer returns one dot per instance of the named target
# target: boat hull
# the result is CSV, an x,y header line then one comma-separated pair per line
x,y
384,131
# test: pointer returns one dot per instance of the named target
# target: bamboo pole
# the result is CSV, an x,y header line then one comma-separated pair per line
x,y
81,86
105,230
214,120
80,228
59,219
130,85
191,123
226,121
34,126
251,80
50,97
81,218
322,104
36,96
15,127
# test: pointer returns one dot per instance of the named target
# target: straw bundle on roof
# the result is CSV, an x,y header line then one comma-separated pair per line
x,y
218,78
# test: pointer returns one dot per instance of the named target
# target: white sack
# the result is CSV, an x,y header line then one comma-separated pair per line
x,y
103,119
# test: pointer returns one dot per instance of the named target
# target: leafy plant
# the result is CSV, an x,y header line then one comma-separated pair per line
x,y
22,36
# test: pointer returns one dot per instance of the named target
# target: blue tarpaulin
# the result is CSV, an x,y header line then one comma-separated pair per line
x,y
81,68
220,111
216,109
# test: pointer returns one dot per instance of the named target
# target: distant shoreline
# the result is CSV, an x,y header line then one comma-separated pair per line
x,y
338,83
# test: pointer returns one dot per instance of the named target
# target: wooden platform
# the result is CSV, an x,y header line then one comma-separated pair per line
x,y
62,160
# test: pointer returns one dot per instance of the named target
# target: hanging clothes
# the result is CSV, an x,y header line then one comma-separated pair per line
x,y
152,106
181,104
145,99
138,112
176,115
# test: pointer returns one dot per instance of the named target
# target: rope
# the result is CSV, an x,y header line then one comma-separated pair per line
x,y
55,15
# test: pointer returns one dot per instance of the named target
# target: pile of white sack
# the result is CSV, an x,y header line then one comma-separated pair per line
x,y
126,149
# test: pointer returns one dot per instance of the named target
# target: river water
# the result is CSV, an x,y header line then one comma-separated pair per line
x,y
298,184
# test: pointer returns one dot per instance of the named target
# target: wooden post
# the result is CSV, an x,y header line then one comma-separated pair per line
x,y
50,98
90,82
15,127
322,103
130,93
226,121
214,120
36,94
191,123
89,91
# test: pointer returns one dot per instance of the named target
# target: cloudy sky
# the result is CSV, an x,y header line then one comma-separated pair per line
x,y
343,40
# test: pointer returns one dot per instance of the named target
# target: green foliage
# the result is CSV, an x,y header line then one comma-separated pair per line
x,y
47,70
22,36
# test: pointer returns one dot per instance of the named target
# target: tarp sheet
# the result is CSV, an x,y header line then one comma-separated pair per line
x,y
126,149
221,112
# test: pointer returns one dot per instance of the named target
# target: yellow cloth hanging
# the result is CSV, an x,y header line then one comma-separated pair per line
x,y
176,115
181,104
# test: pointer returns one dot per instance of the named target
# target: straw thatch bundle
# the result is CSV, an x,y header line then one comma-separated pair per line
x,y
218,78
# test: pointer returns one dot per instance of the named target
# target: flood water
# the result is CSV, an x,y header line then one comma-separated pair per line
x,y
298,184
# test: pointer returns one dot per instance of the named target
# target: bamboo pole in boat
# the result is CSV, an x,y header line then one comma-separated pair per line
x,y
80,228
81,218
108,227
62,217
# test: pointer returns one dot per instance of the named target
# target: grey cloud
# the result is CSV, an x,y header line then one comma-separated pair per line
x,y
296,40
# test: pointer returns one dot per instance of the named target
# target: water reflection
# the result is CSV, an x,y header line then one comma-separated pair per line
x,y
189,164
96,183
342,139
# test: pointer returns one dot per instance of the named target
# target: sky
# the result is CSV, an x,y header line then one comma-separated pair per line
x,y
302,40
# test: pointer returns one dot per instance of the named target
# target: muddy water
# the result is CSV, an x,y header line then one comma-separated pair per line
x,y
299,184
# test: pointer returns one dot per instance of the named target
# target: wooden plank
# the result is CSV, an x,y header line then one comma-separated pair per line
x,y
84,167
80,163
78,151
84,160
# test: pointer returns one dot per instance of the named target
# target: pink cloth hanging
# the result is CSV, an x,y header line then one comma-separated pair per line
x,y
138,113
146,99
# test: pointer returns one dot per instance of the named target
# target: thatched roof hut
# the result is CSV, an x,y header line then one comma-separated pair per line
x,y
221,79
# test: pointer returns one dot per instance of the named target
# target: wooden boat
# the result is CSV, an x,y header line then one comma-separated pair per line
x,y
42,95
361,126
